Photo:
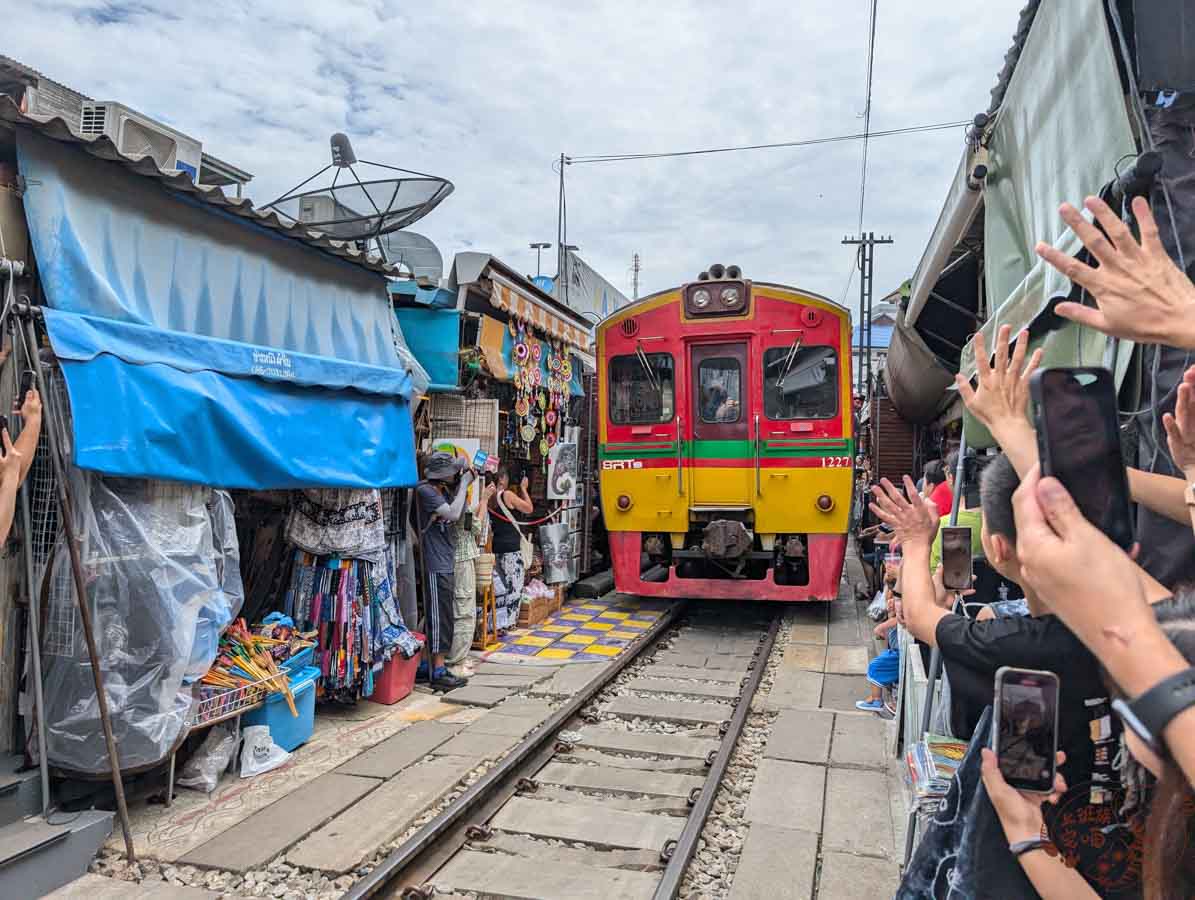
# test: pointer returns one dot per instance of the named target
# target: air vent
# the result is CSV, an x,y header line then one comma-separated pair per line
x,y
91,120
629,327
811,317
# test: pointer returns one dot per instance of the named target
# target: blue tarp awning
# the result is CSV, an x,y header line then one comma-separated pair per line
x,y
199,348
434,338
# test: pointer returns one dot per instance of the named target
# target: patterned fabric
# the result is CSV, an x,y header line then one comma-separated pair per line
x,y
468,538
963,854
510,574
338,521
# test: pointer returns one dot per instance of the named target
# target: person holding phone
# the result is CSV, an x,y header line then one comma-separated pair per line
x,y
510,569
974,651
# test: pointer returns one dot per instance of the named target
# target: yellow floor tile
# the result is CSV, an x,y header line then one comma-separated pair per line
x,y
600,650
615,615
577,617
532,641
557,629
599,626
556,653
631,623
577,639
596,606
626,635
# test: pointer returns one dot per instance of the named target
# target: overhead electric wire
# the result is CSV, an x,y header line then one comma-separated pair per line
x,y
871,53
621,157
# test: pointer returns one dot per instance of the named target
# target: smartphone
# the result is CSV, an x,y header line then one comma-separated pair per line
x,y
956,557
1025,728
1078,442
26,385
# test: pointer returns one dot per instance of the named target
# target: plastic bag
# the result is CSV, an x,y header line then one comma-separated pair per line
x,y
202,771
260,754
878,610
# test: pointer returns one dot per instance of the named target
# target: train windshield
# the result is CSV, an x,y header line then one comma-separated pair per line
x,y
642,389
800,383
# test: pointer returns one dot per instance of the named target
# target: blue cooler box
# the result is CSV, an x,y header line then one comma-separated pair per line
x,y
289,731
300,660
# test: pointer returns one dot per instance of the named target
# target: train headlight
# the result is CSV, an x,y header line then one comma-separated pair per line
x,y
701,298
624,502
730,297
825,503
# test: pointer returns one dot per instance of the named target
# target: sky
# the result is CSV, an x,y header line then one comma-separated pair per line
x,y
489,94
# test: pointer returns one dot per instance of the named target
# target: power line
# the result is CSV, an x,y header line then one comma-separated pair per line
x,y
621,157
871,54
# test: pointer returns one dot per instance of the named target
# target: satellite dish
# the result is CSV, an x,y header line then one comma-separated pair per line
x,y
415,252
363,200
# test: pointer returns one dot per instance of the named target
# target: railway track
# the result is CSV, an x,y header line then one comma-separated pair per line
x,y
608,797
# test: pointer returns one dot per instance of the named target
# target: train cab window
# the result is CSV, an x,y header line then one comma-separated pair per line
x,y
800,383
721,384
642,389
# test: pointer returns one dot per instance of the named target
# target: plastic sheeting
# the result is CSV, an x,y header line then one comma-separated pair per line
x,y
1060,132
251,327
163,578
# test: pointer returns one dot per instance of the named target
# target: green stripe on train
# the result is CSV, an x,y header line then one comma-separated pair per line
x,y
705,449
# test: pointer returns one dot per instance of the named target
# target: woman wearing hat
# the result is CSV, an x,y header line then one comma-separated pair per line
x,y
440,501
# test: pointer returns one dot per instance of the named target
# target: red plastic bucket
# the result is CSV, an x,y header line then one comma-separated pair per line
x,y
397,679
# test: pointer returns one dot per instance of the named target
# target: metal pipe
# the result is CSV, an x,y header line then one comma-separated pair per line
x,y
34,620
686,844
935,658
64,501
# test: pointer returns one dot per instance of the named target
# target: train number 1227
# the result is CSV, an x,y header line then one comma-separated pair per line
x,y
836,462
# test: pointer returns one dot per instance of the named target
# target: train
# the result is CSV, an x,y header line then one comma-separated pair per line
x,y
726,443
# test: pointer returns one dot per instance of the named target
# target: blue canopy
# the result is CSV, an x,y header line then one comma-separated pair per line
x,y
196,347
434,336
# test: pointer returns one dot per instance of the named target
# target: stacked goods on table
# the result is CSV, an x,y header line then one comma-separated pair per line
x,y
539,601
243,674
932,763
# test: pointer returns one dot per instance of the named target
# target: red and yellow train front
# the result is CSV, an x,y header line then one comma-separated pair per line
x,y
726,445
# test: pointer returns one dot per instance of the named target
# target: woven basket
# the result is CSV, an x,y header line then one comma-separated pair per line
x,y
484,567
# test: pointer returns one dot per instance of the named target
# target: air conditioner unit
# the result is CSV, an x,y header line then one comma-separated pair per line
x,y
136,135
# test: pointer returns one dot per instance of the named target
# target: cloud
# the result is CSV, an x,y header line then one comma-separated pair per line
x,y
489,95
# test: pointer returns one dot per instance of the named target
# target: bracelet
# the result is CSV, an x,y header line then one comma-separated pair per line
x,y
1020,848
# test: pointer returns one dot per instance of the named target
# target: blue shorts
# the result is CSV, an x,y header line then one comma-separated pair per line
x,y
884,670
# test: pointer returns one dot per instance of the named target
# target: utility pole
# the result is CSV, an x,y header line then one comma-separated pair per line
x,y
866,244
636,267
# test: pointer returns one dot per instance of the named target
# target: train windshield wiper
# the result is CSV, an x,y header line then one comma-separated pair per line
x,y
789,360
651,376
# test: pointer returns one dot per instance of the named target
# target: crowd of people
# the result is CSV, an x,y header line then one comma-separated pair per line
x,y
1063,598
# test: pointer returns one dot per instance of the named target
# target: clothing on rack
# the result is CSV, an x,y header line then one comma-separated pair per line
x,y
345,522
510,574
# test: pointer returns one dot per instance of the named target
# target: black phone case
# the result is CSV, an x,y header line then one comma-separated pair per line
x,y
1043,440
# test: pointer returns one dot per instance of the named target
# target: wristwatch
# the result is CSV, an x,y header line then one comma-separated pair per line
x,y
1020,848
1150,713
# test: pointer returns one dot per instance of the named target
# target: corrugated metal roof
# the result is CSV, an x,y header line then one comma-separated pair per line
x,y
103,148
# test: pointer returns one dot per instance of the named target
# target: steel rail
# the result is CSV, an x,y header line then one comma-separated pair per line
x,y
686,844
495,787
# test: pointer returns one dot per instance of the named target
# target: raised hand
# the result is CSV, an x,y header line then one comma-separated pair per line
x,y
1180,426
1140,294
913,518
1002,397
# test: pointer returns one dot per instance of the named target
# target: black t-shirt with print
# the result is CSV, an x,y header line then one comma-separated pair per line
x,y
972,651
